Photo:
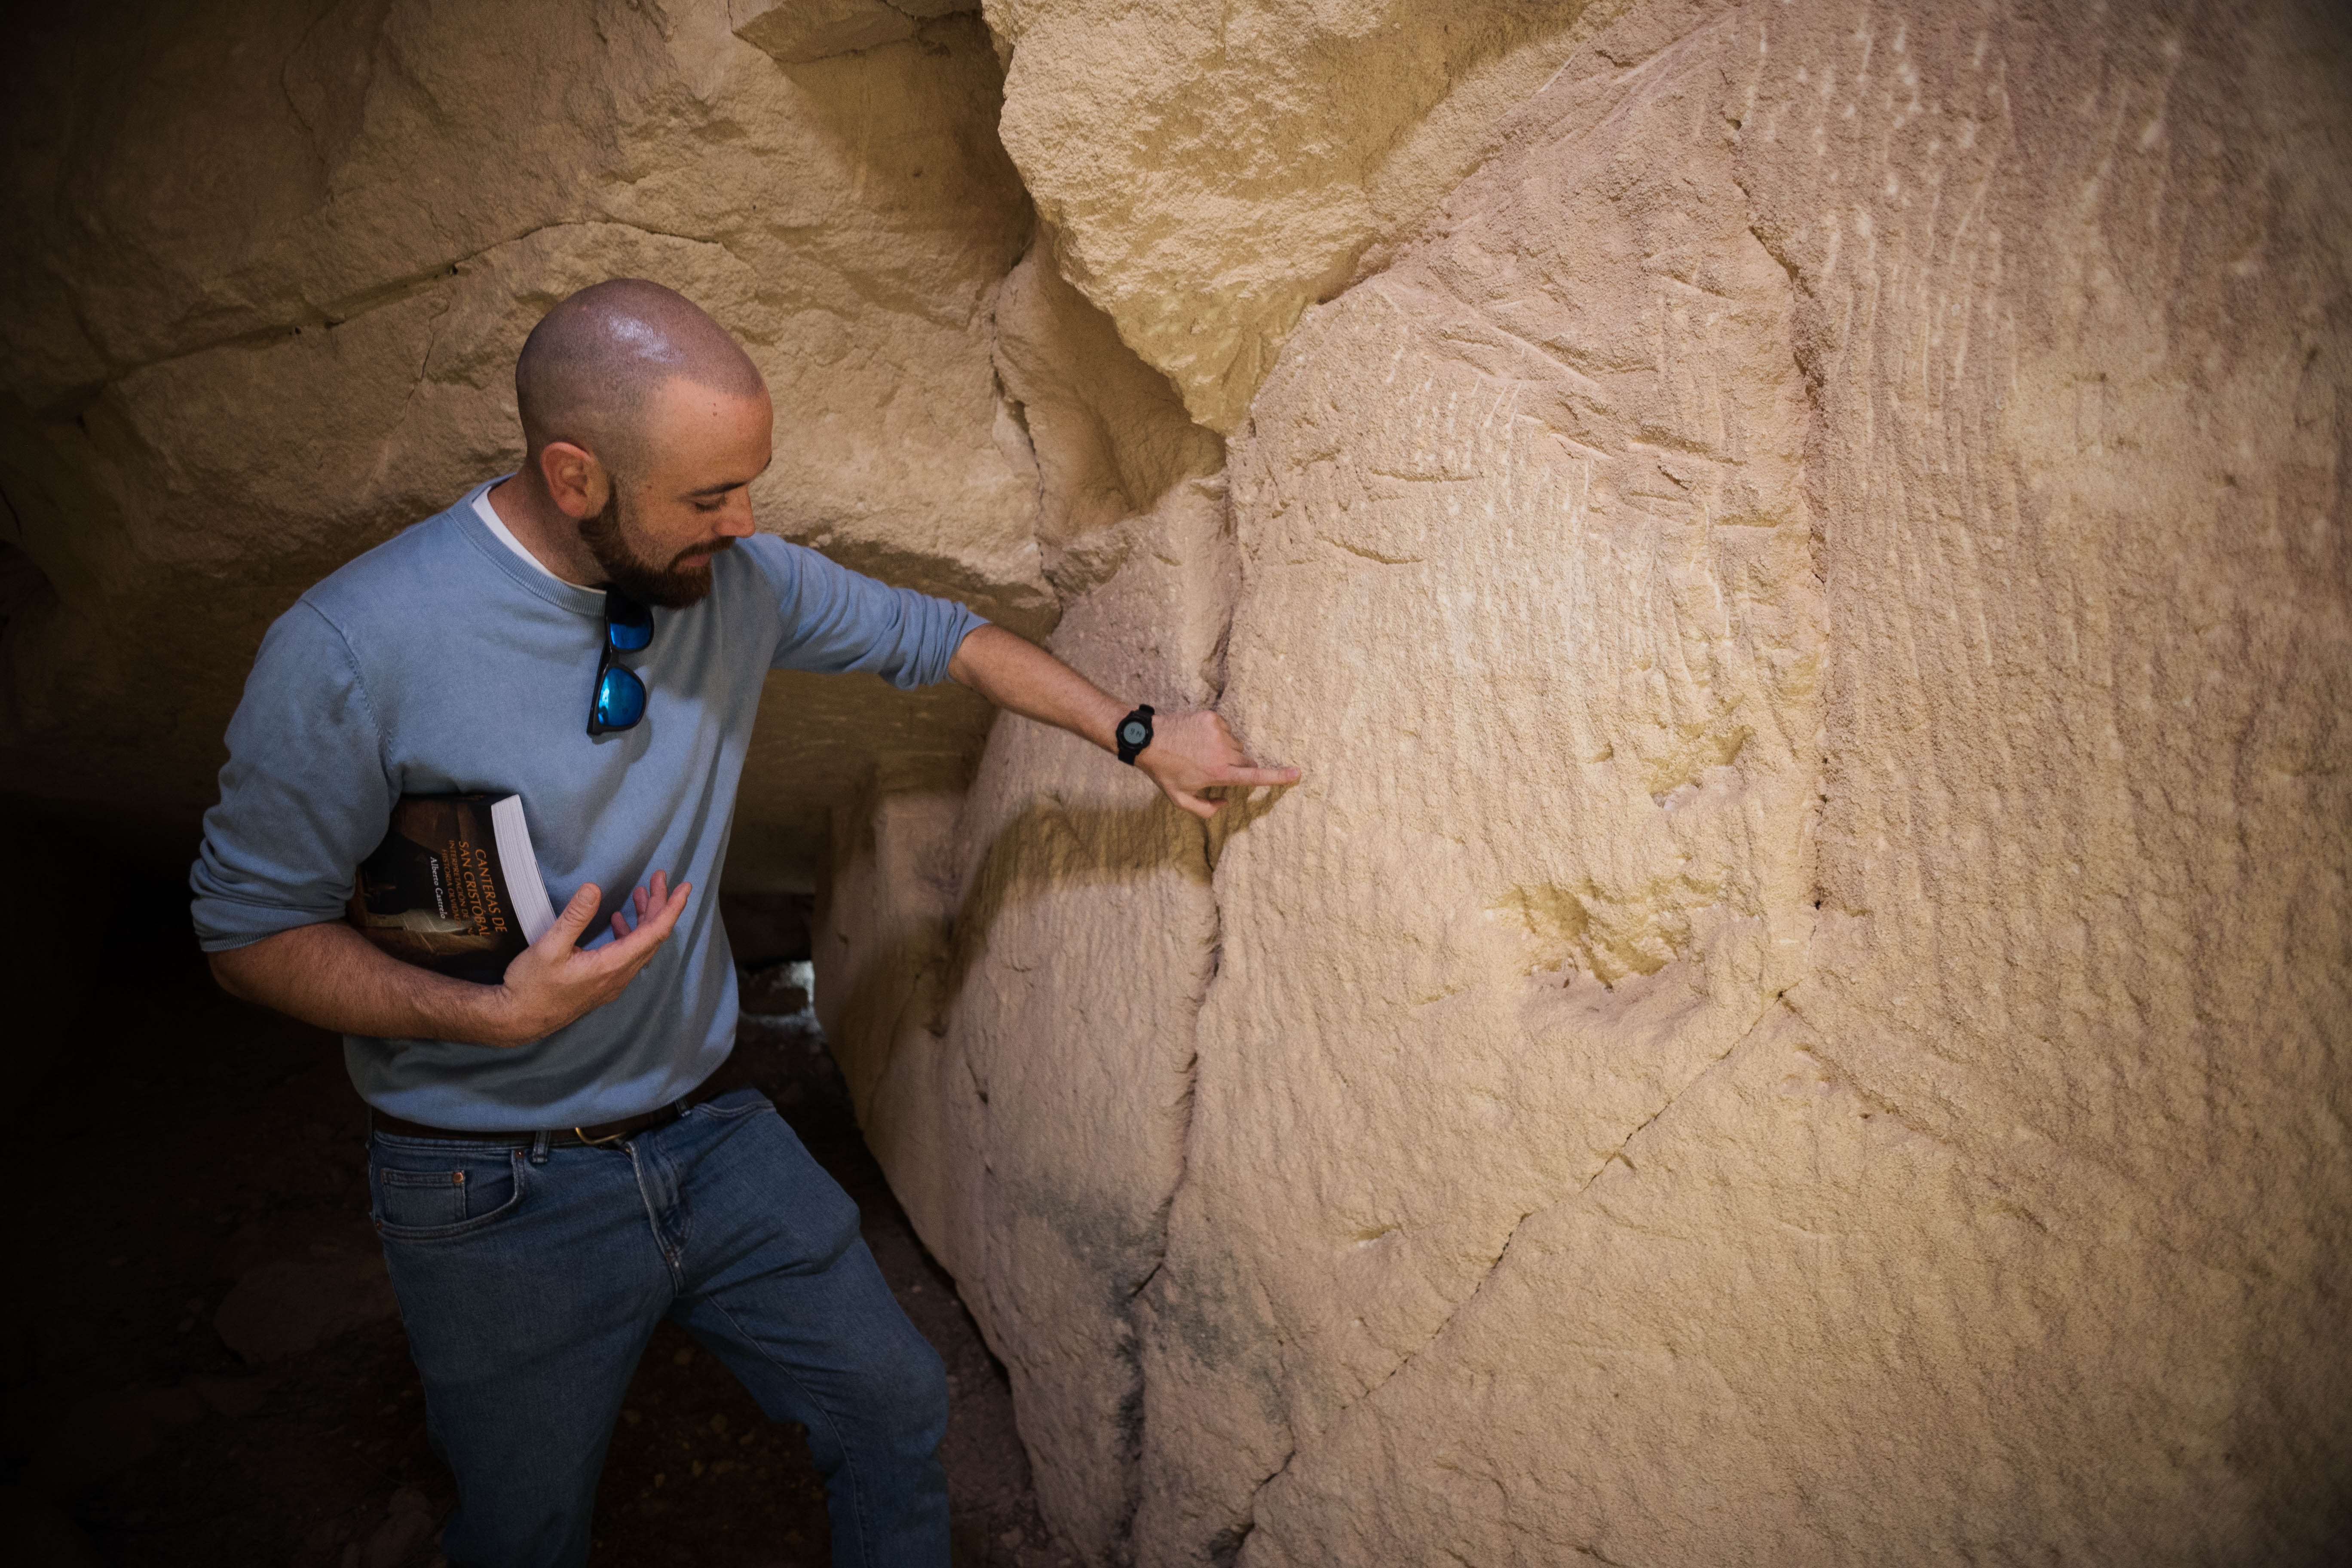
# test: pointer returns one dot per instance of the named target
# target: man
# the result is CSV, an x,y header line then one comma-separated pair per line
x,y
547,1173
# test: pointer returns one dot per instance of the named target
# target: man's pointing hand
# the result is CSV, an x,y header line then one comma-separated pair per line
x,y
1189,752
1193,752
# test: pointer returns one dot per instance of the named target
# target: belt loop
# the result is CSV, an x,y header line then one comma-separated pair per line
x,y
538,1147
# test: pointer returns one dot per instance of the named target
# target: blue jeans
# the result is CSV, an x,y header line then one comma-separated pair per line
x,y
529,1279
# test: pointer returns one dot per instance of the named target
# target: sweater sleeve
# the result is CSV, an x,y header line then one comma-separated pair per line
x,y
305,796
834,620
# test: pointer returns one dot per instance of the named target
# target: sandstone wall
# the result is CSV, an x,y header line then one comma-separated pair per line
x,y
1797,1015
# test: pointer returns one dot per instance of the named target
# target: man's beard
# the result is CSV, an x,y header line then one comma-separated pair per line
x,y
671,588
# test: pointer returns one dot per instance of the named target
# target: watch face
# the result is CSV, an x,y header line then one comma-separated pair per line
x,y
1134,734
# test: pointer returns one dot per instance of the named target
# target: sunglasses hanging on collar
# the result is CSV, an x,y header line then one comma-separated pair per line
x,y
620,699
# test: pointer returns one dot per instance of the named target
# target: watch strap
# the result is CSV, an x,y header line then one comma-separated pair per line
x,y
1133,733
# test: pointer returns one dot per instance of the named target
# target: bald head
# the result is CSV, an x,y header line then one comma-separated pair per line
x,y
589,372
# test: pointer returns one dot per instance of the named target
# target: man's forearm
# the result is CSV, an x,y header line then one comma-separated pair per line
x,y
1016,674
1187,753
331,975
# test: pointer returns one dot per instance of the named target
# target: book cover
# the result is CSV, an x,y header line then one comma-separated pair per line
x,y
453,886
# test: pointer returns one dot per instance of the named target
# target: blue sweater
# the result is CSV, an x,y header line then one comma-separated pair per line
x,y
442,661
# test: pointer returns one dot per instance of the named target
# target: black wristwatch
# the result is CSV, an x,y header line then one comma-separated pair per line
x,y
1134,733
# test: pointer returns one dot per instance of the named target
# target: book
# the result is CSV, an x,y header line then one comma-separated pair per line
x,y
453,886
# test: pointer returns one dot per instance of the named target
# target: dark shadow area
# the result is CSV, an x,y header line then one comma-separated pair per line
x,y
200,1346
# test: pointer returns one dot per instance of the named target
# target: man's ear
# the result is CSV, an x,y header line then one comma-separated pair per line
x,y
576,481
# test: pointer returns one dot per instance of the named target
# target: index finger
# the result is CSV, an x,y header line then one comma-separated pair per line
x,y
1259,775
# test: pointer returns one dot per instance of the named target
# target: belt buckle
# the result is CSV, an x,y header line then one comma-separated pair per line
x,y
599,1142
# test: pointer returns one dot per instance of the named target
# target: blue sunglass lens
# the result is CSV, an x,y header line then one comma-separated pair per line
x,y
628,625
620,700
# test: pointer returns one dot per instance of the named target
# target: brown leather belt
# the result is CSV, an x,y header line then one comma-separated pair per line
x,y
601,1134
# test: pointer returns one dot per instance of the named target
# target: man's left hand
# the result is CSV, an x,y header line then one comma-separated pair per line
x,y
1193,752
1189,752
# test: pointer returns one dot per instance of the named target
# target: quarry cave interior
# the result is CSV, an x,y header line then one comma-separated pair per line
x,y
1798,1012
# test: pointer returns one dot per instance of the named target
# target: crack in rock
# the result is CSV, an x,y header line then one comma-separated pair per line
x,y
348,308
1494,1267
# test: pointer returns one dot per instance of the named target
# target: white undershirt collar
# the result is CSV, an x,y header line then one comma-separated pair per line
x,y
497,525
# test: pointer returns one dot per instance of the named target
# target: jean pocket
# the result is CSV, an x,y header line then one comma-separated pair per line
x,y
428,1194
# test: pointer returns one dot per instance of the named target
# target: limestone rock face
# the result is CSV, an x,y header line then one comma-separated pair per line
x,y
276,274
799,31
1796,1013
1212,170
1016,1007
1624,553
1110,432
